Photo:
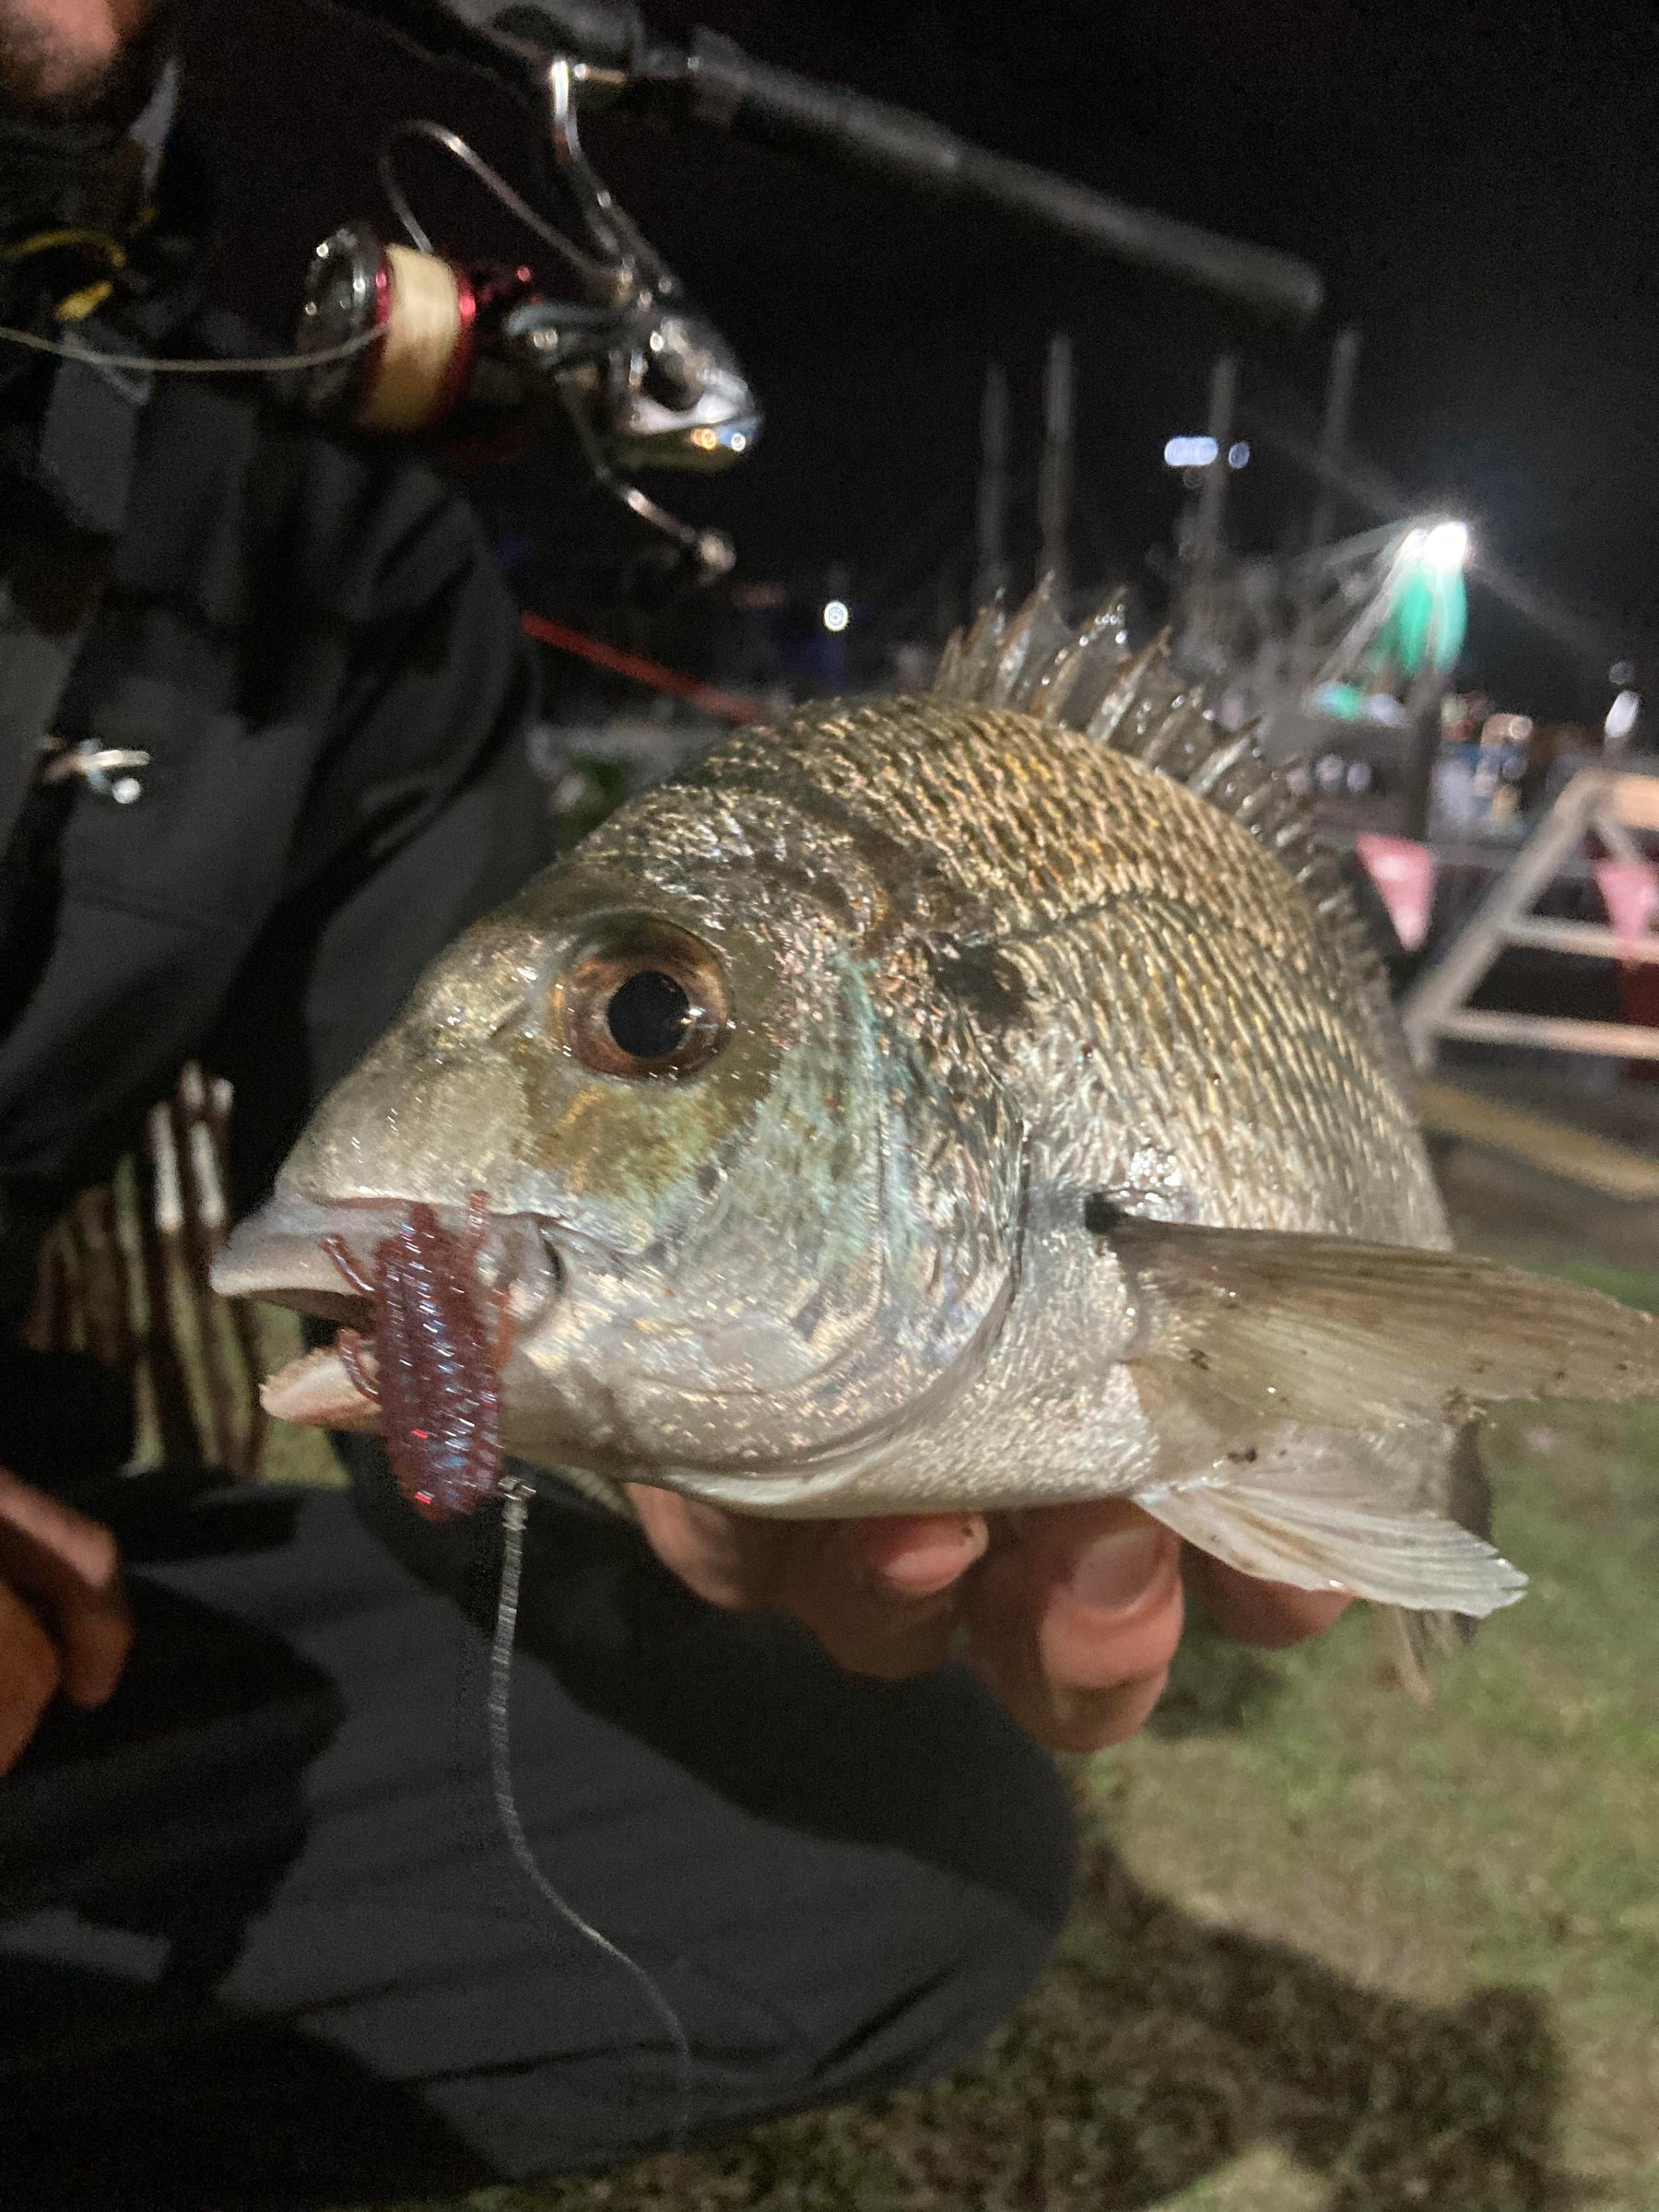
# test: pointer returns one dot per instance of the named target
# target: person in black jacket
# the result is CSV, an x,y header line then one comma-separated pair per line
x,y
262,1940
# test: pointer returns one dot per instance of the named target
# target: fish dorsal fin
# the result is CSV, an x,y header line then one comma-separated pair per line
x,y
968,665
1002,662
1361,1336
1088,679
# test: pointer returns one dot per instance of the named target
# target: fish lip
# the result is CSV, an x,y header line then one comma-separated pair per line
x,y
276,1254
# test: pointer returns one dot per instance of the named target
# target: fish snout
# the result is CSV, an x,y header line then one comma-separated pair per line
x,y
279,1254
325,1260
286,1254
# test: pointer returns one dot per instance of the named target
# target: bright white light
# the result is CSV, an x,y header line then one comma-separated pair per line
x,y
739,443
1188,452
836,615
1238,455
1447,546
1621,716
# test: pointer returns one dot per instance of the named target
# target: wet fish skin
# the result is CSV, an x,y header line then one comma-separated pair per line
x,y
992,981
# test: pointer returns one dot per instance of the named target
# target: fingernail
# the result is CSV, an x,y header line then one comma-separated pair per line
x,y
1118,1567
939,1550
918,1554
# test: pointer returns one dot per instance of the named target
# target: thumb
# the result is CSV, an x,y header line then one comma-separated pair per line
x,y
1075,1619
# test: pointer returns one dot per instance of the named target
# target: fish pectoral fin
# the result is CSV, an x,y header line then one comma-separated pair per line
x,y
1352,1336
1326,1535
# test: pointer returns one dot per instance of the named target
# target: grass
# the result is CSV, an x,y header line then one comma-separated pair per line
x,y
1330,1951
291,1455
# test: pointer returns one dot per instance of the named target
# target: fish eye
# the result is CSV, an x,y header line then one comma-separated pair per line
x,y
648,1016
642,999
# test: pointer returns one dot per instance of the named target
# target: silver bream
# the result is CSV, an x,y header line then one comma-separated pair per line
x,y
973,1101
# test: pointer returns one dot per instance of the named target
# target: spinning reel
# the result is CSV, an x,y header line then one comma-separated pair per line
x,y
646,382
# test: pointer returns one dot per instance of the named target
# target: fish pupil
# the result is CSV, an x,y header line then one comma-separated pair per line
x,y
648,1014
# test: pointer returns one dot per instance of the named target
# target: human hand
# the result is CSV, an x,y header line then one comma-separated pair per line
x,y
1072,1613
63,1620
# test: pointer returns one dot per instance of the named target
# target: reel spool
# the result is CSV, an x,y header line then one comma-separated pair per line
x,y
423,311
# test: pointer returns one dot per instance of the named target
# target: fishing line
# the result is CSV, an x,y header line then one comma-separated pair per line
x,y
599,277
252,365
516,1494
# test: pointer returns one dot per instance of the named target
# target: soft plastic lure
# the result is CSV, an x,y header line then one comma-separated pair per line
x,y
436,1370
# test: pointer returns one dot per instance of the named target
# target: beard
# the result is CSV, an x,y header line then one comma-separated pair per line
x,y
46,71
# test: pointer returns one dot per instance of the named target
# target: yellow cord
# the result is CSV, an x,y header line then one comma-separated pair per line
x,y
49,242
75,307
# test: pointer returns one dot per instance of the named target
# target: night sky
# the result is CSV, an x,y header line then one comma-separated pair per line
x,y
1478,185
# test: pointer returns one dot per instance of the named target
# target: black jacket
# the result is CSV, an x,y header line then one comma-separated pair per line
x,y
312,643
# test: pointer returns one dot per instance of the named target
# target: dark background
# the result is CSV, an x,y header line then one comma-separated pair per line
x,y
1476,185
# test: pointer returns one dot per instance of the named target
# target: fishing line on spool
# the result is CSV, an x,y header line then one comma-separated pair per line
x,y
516,1494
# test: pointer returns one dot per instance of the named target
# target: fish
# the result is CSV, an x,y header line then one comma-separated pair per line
x,y
975,1099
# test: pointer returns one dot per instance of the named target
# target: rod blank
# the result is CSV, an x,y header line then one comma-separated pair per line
x,y
707,80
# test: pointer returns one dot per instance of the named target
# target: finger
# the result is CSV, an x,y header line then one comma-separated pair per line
x,y
861,1612
1074,1623
1093,1720
29,1675
1109,1577
70,1547
874,1592
1063,1719
1271,1615
917,1555
880,1594
734,1562
71,1568
97,1639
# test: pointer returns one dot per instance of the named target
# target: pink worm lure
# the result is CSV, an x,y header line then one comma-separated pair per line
x,y
437,1373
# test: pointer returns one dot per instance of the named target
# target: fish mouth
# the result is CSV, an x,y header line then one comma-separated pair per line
x,y
277,1255
284,1254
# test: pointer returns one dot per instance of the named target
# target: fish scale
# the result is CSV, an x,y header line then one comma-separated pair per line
x,y
966,786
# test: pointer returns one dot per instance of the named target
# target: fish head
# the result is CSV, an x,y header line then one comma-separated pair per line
x,y
750,1195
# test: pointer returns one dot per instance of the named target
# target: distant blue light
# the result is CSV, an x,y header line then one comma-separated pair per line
x,y
1188,452
1238,456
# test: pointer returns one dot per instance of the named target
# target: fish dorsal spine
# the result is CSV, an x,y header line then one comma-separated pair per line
x,y
1086,678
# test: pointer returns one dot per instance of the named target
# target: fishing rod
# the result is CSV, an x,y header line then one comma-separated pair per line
x,y
397,335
